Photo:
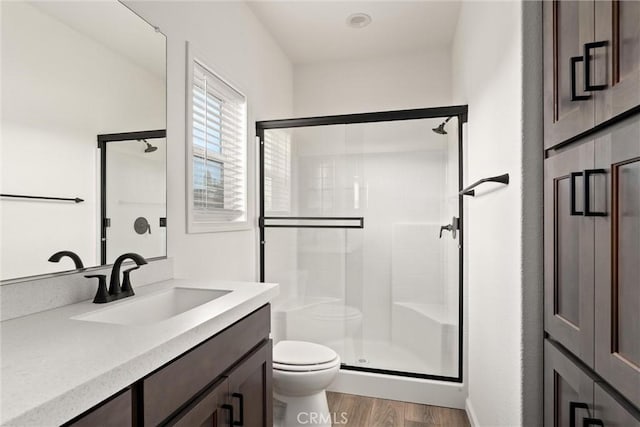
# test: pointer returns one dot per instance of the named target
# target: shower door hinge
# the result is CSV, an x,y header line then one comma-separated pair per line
x,y
261,222
107,222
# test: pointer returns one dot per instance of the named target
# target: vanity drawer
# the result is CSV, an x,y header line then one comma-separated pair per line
x,y
173,385
114,412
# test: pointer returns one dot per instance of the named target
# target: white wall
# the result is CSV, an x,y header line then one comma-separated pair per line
x,y
237,47
60,89
501,239
399,82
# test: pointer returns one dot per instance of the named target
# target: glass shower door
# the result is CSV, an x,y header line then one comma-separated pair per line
x,y
134,192
360,228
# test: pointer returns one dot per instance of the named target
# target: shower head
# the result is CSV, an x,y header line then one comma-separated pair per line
x,y
440,129
150,148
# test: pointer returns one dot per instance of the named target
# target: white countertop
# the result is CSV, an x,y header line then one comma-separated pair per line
x,y
54,367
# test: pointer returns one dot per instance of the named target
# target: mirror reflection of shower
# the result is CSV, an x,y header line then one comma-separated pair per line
x,y
133,194
440,129
150,148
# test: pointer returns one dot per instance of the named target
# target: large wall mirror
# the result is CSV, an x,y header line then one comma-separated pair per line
x,y
72,73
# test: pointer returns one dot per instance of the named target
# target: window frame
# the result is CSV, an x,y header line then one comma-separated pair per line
x,y
211,226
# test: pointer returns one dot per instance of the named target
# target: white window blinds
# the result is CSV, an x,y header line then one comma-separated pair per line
x,y
277,176
218,149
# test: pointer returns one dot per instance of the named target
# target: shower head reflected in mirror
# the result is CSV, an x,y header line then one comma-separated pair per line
x,y
150,148
440,129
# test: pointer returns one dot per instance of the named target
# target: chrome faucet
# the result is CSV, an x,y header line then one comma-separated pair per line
x,y
116,291
76,259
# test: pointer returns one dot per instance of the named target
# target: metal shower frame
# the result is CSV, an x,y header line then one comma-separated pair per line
x,y
103,140
459,111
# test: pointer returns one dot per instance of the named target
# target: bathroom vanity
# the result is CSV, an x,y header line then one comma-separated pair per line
x,y
236,363
208,364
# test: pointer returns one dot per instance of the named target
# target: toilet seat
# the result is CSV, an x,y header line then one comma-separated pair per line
x,y
300,356
306,368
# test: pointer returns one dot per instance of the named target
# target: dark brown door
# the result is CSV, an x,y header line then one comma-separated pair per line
x,y
568,391
209,410
611,412
617,255
250,389
568,235
618,64
567,27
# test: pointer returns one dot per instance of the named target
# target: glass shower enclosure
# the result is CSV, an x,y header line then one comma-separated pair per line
x,y
360,224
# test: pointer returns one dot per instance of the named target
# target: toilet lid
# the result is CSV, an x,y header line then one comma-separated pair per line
x,y
301,353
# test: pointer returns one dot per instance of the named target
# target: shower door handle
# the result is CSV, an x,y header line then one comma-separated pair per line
x,y
453,227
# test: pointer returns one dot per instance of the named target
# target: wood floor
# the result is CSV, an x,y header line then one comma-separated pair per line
x,y
359,411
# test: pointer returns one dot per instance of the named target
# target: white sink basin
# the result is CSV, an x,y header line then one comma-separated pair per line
x,y
138,310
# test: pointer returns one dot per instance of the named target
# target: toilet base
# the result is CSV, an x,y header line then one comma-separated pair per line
x,y
298,411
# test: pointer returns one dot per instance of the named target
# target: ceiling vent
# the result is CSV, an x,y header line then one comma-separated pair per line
x,y
358,20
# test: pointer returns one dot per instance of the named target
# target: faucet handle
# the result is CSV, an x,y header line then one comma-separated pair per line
x,y
102,295
126,280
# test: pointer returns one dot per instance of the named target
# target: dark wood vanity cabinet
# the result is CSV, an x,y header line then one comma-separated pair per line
x,y
591,64
117,411
224,381
210,410
241,397
250,389
573,398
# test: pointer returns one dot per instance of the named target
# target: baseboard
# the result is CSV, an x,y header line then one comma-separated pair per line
x,y
438,393
473,420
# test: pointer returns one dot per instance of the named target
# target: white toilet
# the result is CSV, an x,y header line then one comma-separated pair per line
x,y
301,373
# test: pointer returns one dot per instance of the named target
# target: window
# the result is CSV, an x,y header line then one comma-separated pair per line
x,y
277,174
217,155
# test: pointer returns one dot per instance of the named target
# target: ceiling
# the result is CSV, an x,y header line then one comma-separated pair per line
x,y
316,31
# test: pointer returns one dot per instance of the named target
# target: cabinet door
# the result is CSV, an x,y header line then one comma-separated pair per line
x,y
207,411
116,411
612,413
250,389
169,388
567,27
568,391
568,262
617,254
617,65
